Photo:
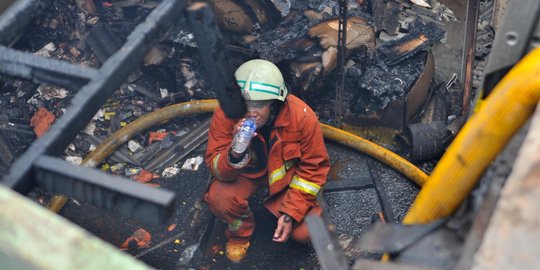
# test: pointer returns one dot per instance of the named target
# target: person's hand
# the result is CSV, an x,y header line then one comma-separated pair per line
x,y
283,229
238,125
236,129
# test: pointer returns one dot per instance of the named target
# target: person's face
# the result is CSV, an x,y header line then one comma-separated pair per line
x,y
259,110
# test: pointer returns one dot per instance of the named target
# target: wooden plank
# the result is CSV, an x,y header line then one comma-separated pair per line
x,y
34,237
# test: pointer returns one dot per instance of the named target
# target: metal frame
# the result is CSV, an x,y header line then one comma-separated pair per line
x,y
519,33
38,165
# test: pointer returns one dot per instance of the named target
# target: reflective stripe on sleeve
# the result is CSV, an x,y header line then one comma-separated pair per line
x,y
277,174
215,166
305,186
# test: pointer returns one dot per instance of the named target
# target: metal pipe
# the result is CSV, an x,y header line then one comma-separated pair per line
x,y
482,138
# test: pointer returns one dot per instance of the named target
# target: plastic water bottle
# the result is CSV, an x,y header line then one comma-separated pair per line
x,y
242,139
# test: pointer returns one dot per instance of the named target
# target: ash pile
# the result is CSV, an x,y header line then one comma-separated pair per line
x,y
393,94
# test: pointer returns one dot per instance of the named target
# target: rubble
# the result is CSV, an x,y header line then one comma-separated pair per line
x,y
387,46
192,163
140,237
41,121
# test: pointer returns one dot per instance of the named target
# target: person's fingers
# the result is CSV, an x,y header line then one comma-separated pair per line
x,y
279,230
284,235
238,125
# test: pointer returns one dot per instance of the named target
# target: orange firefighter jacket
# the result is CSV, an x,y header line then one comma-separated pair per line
x,y
297,161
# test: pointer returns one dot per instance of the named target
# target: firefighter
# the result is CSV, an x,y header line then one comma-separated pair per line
x,y
287,155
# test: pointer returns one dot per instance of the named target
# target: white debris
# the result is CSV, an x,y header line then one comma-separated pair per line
x,y
74,160
155,56
92,148
20,93
92,20
76,202
284,6
33,100
134,146
192,164
170,171
99,115
422,3
90,129
182,132
50,92
46,50
443,13
72,147
164,92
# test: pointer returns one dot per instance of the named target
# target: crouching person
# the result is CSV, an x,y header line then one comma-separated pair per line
x,y
286,154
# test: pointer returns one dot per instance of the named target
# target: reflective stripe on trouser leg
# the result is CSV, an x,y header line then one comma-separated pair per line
x,y
229,202
241,230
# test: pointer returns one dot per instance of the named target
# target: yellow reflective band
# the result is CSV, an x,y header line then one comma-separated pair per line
x,y
215,165
277,174
305,186
235,225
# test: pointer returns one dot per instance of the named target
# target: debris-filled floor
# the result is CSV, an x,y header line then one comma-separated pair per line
x,y
352,211
401,91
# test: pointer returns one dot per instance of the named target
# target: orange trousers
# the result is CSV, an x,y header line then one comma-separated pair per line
x,y
229,202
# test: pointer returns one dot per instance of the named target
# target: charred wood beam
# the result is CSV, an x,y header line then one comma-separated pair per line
x,y
214,58
109,192
44,70
6,157
104,44
325,244
342,51
467,68
394,238
420,38
91,97
16,18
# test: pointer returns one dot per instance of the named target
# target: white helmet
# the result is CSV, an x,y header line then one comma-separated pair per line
x,y
261,80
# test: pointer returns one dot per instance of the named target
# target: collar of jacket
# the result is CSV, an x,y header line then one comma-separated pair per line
x,y
284,116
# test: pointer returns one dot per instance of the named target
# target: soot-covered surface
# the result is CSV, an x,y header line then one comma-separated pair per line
x,y
351,211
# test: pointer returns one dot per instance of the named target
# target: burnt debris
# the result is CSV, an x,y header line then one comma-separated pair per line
x,y
389,74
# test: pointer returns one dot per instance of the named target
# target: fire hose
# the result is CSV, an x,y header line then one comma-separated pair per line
x,y
483,137
109,145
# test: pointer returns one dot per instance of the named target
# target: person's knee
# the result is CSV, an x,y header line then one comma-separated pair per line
x,y
301,234
216,200
225,201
